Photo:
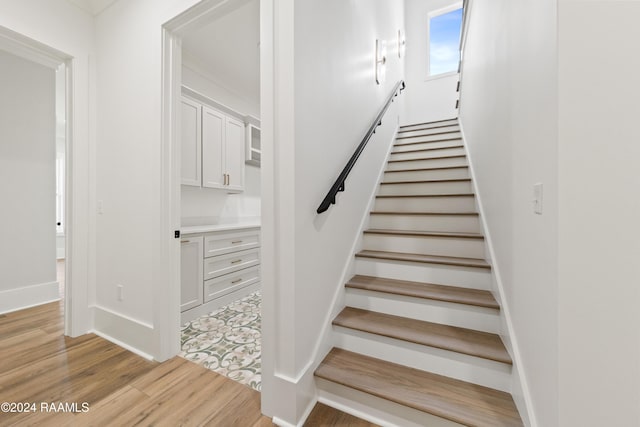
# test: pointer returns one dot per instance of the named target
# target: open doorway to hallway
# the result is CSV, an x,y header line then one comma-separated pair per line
x,y
33,177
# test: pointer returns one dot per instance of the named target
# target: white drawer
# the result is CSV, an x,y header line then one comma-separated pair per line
x,y
225,264
234,241
222,285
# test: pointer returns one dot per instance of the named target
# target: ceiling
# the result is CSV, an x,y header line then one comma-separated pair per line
x,y
93,7
227,50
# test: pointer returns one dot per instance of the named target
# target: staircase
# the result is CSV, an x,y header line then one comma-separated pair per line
x,y
417,342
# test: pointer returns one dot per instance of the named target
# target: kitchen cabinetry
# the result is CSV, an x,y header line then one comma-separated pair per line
x,y
212,148
253,146
191,272
229,270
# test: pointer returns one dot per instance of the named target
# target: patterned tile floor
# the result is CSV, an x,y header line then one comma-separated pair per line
x,y
227,341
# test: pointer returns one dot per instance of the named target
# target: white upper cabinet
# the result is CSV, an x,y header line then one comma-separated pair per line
x,y
190,129
235,154
213,148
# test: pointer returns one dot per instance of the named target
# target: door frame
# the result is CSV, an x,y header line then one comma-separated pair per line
x,y
34,51
166,317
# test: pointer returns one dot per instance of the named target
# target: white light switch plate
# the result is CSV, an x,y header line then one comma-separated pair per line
x,y
537,198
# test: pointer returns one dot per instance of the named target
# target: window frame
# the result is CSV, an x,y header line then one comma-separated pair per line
x,y
432,14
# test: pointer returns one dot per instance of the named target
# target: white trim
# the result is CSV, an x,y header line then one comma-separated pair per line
x,y
122,344
28,296
524,405
430,15
440,76
303,418
124,331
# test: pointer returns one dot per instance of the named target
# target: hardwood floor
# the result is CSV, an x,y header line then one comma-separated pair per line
x,y
39,365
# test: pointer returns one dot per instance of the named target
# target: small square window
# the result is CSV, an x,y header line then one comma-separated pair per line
x,y
444,40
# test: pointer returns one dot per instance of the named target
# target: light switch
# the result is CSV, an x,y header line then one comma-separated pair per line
x,y
537,198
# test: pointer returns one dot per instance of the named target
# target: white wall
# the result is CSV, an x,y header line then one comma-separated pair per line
x,y
129,157
509,116
202,205
27,183
208,205
201,81
326,100
599,296
427,99
67,29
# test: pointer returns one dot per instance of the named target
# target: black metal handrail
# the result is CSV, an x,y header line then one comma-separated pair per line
x,y
330,198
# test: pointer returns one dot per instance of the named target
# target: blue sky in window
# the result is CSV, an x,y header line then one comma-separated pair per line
x,y
444,42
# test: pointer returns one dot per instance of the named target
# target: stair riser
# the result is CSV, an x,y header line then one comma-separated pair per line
x,y
374,409
427,145
456,151
465,277
460,173
457,223
446,313
428,130
425,204
430,125
428,163
426,188
442,362
421,137
441,246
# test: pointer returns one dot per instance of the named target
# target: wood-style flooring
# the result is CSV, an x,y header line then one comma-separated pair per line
x,y
38,364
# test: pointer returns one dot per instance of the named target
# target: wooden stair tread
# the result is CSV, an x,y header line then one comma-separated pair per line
x,y
404,144
460,340
429,128
427,149
452,234
428,134
426,181
429,158
387,196
455,400
453,294
427,169
424,258
430,123
424,213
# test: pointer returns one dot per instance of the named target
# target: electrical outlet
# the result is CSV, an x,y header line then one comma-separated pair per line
x,y
120,289
537,198
100,207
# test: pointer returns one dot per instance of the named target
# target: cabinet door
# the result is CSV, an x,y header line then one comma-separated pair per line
x,y
191,272
213,148
190,144
235,154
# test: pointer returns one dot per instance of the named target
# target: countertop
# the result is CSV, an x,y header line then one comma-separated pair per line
x,y
219,225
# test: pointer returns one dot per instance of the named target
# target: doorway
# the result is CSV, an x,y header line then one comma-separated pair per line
x,y
34,158
212,109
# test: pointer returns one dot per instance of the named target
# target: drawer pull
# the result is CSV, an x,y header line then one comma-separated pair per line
x,y
237,281
236,261
184,241
235,242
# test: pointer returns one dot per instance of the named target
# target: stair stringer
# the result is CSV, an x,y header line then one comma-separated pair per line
x,y
519,383
324,344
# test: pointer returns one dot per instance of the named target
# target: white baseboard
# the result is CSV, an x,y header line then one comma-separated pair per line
x,y
28,296
124,331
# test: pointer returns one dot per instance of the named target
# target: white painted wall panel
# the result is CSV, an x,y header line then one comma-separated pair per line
x,y
599,208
